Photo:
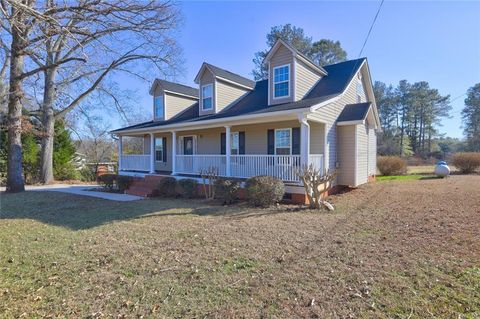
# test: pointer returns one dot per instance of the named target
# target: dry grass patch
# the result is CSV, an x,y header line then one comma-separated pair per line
x,y
391,249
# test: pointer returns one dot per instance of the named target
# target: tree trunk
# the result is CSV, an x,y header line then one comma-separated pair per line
x,y
15,181
48,122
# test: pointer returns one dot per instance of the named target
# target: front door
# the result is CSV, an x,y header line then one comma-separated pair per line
x,y
188,145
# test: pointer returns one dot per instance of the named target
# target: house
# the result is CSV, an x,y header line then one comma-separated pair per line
x,y
302,114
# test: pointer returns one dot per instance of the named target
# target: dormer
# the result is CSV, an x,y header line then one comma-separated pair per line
x,y
220,88
170,99
291,75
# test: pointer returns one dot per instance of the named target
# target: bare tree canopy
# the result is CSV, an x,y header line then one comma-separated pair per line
x,y
74,46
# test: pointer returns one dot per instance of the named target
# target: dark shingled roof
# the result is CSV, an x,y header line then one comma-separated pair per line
x,y
230,76
354,112
178,88
256,101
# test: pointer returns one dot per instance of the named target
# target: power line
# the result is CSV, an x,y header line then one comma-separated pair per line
x,y
371,27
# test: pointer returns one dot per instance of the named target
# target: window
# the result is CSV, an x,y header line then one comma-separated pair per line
x,y
281,81
159,107
207,93
283,141
360,92
234,145
159,149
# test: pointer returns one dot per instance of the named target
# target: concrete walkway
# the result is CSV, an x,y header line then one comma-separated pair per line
x,y
79,189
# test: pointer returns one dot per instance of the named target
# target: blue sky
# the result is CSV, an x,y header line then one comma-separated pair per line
x,y
438,42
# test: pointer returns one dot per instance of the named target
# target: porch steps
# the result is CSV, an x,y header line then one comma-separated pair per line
x,y
145,187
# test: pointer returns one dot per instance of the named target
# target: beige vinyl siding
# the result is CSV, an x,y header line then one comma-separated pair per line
x,y
227,94
281,57
208,141
305,79
329,114
346,155
317,137
362,154
207,78
363,97
175,104
146,144
372,151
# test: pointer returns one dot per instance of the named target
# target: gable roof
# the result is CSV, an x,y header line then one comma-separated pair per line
x,y
225,75
174,88
354,112
256,101
296,53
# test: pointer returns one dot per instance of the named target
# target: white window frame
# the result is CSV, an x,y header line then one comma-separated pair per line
x,y
162,97
211,97
273,81
275,140
231,143
156,149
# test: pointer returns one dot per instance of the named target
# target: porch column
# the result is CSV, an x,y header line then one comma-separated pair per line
x,y
304,140
152,153
227,150
120,152
174,152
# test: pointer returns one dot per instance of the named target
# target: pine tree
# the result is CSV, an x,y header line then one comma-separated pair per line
x,y
471,118
63,153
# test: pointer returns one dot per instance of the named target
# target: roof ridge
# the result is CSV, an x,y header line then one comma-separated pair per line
x,y
187,86
225,70
346,61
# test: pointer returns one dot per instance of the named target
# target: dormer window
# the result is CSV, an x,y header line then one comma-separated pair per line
x,y
281,81
159,107
207,97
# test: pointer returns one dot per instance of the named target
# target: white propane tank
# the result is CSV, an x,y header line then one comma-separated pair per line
x,y
442,169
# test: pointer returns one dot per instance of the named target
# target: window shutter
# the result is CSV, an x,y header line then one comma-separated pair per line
x,y
164,143
295,141
223,143
241,143
271,142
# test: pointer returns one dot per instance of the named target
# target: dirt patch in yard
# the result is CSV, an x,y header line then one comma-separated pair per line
x,y
392,249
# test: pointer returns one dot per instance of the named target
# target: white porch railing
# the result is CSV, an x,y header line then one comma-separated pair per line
x,y
194,164
135,162
245,166
280,166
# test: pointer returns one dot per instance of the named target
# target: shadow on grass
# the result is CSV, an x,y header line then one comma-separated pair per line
x,y
82,212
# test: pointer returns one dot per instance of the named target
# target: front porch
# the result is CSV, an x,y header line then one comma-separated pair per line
x,y
276,149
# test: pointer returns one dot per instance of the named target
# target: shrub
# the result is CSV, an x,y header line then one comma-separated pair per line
x,y
466,162
124,182
226,190
264,190
188,187
391,165
107,180
167,187
87,175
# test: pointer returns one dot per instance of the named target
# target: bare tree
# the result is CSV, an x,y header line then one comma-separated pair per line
x,y
316,184
95,140
78,44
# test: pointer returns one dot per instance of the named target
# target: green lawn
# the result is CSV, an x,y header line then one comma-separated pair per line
x,y
407,249
405,177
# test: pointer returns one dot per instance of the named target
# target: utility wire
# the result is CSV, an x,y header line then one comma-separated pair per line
x,y
371,27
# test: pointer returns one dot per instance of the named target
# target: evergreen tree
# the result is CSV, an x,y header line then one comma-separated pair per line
x,y
471,118
63,153
31,151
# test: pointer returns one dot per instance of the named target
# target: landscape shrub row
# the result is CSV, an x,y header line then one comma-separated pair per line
x,y
466,162
261,191
391,165
115,182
